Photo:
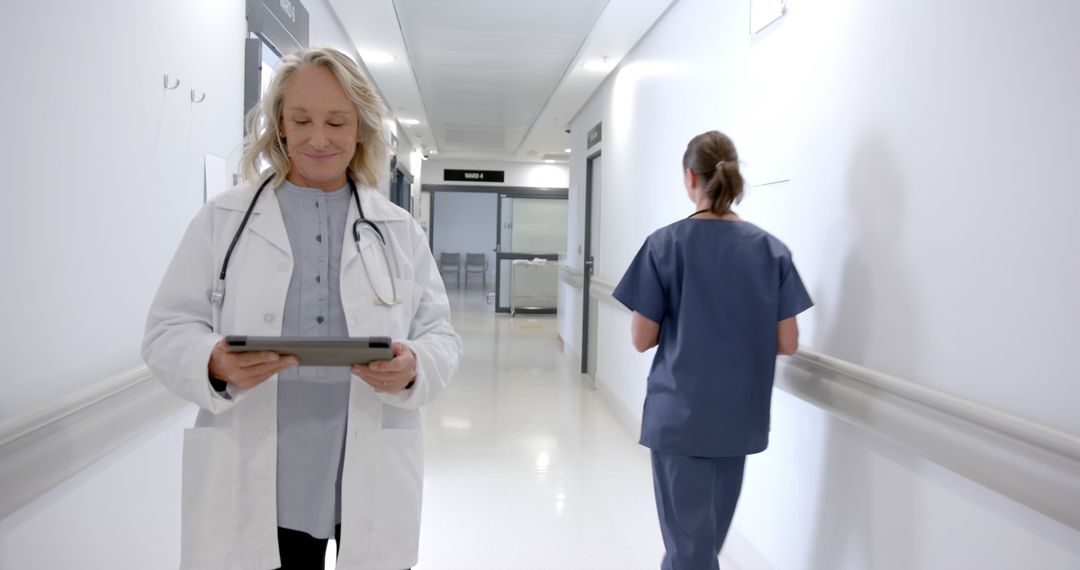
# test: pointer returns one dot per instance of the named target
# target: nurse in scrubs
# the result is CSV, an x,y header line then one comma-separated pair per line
x,y
718,297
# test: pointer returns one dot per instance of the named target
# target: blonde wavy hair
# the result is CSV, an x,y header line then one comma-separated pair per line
x,y
264,144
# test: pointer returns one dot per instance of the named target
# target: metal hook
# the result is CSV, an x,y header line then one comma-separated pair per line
x,y
174,86
200,99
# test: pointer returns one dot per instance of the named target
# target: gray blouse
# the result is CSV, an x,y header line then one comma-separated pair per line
x,y
313,401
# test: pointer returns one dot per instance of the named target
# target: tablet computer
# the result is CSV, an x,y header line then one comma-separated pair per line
x,y
318,351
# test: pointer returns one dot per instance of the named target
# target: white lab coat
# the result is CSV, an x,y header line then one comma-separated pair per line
x,y
230,457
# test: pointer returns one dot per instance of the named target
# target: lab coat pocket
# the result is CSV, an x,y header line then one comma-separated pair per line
x,y
399,488
209,494
369,318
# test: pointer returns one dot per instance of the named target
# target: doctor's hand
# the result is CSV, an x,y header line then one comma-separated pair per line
x,y
246,369
390,376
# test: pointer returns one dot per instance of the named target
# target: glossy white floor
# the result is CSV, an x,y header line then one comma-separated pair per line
x,y
525,467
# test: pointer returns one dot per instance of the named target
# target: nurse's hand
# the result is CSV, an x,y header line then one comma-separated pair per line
x,y
246,369
392,375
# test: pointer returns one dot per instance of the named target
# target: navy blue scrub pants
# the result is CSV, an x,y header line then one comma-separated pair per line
x,y
695,499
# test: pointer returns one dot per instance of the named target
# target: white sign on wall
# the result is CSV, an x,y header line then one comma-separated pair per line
x,y
214,176
765,12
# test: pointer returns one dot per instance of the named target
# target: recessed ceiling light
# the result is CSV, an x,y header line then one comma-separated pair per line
x,y
376,57
567,150
410,122
549,161
602,64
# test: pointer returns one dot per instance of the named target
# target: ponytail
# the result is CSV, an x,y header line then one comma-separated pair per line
x,y
712,156
725,187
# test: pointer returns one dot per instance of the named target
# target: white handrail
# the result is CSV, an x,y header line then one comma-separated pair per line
x,y
571,276
43,448
1032,463
25,424
1016,427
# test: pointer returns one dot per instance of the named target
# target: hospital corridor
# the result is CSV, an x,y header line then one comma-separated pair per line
x,y
529,451
540,285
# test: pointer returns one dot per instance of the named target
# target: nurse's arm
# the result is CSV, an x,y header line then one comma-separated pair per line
x,y
787,339
644,332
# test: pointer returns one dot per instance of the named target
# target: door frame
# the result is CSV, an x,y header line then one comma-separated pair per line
x,y
501,256
501,190
588,261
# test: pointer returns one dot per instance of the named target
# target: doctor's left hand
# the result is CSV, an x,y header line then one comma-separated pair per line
x,y
392,375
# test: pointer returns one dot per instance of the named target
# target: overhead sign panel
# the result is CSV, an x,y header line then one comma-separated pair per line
x,y
474,175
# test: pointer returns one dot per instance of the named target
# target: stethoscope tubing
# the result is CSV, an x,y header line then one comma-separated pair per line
x,y
219,289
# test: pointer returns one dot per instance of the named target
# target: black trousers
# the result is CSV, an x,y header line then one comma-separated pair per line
x,y
301,551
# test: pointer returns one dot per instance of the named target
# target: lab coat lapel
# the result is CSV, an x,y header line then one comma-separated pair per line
x,y
348,244
267,222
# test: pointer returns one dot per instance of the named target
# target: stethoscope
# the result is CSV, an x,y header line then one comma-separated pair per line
x,y
361,224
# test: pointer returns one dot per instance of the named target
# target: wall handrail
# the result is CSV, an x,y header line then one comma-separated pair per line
x,y
1031,463
571,276
28,423
43,448
1015,427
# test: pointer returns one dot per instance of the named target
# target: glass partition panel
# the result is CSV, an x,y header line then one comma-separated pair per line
x,y
530,228
538,226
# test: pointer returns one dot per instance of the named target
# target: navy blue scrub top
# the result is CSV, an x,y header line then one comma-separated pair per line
x,y
717,288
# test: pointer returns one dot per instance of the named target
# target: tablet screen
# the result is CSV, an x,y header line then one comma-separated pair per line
x,y
318,351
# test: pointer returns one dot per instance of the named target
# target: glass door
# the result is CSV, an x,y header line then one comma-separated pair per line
x,y
531,236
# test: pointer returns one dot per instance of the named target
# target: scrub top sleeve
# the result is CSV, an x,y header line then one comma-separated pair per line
x,y
793,296
641,288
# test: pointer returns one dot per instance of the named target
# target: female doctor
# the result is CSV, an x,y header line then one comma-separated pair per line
x,y
283,457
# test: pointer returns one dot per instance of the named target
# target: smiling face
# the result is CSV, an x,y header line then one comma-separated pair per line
x,y
320,127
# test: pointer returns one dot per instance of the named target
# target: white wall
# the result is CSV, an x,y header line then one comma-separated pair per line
x,y
928,148
937,232
530,174
570,298
104,172
465,222
121,513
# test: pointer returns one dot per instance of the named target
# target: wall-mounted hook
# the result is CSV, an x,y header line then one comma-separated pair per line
x,y
173,86
201,98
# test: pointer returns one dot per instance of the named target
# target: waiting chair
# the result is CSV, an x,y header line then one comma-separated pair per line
x,y
451,262
476,263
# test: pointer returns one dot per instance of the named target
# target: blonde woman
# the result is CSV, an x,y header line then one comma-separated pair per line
x,y
282,457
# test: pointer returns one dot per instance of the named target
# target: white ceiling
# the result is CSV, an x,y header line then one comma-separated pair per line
x,y
486,67
492,79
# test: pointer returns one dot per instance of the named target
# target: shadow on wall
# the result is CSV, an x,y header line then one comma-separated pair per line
x,y
860,524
